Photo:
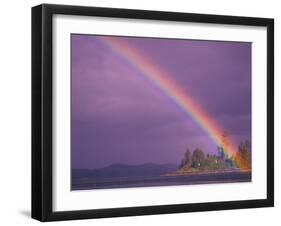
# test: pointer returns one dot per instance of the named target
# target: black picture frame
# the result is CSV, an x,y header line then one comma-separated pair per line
x,y
42,106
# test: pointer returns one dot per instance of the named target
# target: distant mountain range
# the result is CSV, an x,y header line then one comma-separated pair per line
x,y
124,170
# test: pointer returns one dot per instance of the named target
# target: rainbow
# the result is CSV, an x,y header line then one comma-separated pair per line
x,y
161,79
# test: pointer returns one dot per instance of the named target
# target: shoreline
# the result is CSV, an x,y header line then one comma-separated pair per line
x,y
202,172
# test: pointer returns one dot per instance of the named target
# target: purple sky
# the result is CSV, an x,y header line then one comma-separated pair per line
x,y
118,116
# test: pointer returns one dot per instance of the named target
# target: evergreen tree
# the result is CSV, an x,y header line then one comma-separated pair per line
x,y
186,161
198,158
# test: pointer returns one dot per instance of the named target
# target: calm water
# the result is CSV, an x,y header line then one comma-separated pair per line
x,y
224,177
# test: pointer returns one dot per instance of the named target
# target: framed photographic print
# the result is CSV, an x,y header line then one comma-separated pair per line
x,y
145,112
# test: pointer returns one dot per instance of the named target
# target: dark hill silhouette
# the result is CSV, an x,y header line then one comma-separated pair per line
x,y
125,170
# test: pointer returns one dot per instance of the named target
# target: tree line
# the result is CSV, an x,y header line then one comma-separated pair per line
x,y
198,160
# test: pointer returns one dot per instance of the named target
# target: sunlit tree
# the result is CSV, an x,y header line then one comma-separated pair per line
x,y
243,156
